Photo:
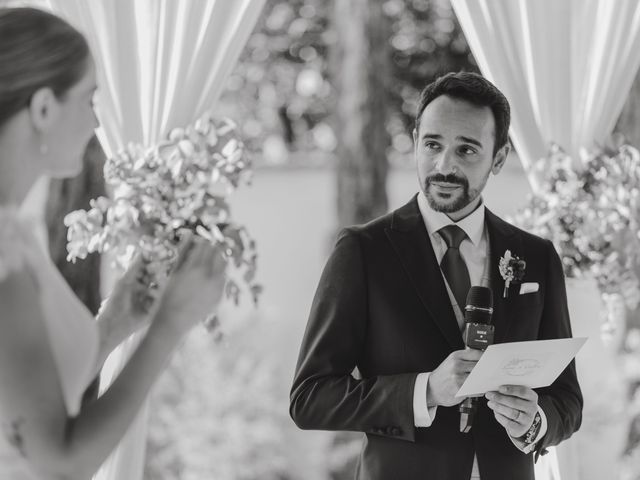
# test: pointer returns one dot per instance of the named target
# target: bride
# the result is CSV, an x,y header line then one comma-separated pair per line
x,y
51,347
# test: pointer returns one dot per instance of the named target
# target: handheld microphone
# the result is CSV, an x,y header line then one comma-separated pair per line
x,y
478,334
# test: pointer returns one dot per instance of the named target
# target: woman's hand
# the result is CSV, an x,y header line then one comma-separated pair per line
x,y
129,308
195,286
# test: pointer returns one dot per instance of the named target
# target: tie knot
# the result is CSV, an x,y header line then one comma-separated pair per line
x,y
453,235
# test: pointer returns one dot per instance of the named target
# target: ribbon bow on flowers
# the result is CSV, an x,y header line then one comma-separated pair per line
x,y
158,192
512,270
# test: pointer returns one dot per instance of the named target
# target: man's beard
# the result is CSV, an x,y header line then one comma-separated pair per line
x,y
459,202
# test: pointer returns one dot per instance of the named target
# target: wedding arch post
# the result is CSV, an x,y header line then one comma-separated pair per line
x,y
161,64
566,67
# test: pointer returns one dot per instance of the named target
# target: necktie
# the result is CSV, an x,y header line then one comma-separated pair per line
x,y
452,264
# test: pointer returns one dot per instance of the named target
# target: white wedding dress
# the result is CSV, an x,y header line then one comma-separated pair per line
x,y
73,333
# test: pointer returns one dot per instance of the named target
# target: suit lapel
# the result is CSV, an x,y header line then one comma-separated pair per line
x,y
410,240
502,237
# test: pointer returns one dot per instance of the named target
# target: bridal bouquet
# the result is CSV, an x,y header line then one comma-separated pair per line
x,y
159,192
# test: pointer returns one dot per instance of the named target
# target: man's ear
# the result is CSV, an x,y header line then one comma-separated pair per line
x,y
43,109
500,158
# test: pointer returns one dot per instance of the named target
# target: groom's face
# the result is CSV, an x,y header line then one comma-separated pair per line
x,y
454,153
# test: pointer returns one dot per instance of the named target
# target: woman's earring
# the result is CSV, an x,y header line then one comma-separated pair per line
x,y
44,149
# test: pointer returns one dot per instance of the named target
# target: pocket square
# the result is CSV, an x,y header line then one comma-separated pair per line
x,y
529,287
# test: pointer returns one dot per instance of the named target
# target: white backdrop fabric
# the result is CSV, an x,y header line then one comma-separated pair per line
x,y
566,66
161,63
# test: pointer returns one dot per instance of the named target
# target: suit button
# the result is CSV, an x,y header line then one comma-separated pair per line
x,y
395,431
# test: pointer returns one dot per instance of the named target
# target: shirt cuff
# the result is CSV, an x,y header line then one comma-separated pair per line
x,y
531,447
423,415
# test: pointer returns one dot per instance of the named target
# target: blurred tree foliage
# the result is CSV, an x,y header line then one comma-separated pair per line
x,y
282,92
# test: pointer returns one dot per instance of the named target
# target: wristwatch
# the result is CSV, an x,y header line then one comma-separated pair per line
x,y
530,435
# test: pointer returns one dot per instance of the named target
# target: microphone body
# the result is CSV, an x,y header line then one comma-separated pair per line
x,y
478,334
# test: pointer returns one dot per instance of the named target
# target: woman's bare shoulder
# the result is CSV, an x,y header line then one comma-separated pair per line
x,y
13,241
25,351
21,317
21,312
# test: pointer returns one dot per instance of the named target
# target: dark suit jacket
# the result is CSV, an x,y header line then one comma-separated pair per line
x,y
382,306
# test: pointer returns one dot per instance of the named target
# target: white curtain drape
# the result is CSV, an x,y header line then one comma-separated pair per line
x,y
161,64
566,66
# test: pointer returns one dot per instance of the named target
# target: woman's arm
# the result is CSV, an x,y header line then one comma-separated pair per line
x,y
31,401
120,316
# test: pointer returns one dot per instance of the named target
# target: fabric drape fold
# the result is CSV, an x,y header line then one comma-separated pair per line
x,y
566,66
161,64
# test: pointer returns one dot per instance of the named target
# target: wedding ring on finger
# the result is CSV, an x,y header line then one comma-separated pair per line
x,y
518,412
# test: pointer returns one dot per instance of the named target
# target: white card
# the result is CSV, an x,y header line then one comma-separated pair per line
x,y
531,364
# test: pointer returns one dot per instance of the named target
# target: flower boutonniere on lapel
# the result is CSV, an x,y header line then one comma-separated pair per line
x,y
512,270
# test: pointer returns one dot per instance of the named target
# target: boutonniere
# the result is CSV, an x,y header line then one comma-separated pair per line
x,y
512,270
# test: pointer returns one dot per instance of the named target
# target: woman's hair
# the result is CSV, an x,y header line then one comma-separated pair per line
x,y
37,50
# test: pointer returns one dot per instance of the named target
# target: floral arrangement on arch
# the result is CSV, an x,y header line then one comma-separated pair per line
x,y
589,208
161,191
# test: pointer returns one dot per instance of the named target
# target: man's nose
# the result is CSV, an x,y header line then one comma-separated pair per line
x,y
446,162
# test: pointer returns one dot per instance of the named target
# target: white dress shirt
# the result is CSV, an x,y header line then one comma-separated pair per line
x,y
474,250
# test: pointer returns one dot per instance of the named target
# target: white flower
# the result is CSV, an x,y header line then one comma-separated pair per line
x,y
511,269
187,148
505,270
230,148
214,234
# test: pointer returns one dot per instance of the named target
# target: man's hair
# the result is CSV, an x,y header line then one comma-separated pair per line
x,y
475,89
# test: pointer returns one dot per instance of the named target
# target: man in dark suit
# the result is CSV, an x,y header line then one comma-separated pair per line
x,y
390,303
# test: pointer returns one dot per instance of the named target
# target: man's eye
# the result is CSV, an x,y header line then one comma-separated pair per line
x,y
431,146
468,151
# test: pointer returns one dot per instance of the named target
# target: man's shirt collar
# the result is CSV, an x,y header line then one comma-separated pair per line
x,y
472,224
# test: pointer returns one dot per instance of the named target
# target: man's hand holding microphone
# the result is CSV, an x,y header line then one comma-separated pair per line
x,y
514,407
446,380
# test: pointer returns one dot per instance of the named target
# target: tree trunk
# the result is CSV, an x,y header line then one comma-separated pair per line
x,y
68,195
361,65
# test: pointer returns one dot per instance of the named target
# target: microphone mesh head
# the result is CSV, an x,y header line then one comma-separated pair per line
x,y
480,297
